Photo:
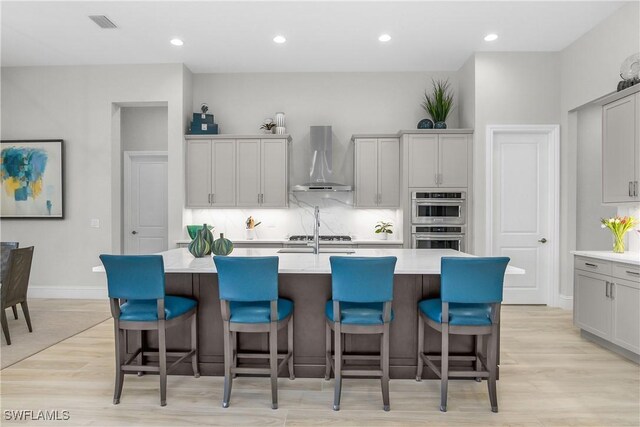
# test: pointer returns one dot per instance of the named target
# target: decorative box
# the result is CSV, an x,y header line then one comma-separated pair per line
x,y
203,118
203,129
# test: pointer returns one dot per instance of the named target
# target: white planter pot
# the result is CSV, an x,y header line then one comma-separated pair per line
x,y
382,236
250,233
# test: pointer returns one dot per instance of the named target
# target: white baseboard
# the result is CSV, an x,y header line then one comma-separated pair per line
x,y
67,293
565,302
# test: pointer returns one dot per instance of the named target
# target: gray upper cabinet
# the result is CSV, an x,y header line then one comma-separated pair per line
x,y
621,150
438,160
377,172
240,171
248,172
210,173
273,176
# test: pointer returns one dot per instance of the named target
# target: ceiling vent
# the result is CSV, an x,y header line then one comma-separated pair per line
x,y
102,21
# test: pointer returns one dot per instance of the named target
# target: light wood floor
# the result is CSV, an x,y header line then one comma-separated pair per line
x,y
549,376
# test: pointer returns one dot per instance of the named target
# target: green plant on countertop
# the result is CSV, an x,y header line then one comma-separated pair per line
x,y
251,223
440,103
384,227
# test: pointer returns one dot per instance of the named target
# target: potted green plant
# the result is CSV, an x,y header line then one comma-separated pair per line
x,y
383,229
268,126
439,103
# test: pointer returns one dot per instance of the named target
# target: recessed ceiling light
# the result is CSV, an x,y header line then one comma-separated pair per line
x,y
384,38
279,39
490,37
177,42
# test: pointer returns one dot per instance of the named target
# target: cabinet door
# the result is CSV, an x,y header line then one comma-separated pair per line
x,y
389,172
618,150
223,192
274,173
625,297
593,307
248,172
366,171
198,176
423,160
452,156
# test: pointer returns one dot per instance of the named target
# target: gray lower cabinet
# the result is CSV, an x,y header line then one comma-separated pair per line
x,y
607,301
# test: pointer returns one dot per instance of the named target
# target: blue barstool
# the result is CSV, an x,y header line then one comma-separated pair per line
x,y
248,288
139,280
469,304
362,291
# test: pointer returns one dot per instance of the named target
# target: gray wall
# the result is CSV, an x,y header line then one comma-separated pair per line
x,y
510,88
144,128
350,102
589,235
81,106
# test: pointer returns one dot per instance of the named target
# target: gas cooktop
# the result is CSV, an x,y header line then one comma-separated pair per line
x,y
307,238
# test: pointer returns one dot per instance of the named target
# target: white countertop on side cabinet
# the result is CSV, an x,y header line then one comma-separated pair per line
x,y
626,258
410,261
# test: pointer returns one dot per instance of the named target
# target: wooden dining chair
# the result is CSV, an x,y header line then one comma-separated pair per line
x,y
14,286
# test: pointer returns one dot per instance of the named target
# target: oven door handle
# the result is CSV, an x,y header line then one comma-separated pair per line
x,y
438,203
441,237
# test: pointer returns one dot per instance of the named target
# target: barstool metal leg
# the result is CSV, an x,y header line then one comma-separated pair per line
x,y
338,366
478,354
162,344
492,353
194,345
141,345
444,368
385,368
273,363
419,362
292,375
327,368
119,342
228,361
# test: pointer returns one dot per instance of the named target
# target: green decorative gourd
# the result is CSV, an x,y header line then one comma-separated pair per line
x,y
208,236
199,246
222,246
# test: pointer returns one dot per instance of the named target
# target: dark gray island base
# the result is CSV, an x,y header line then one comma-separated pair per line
x,y
309,292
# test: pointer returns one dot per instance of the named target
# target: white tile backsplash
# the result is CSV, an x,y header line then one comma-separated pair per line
x,y
633,236
337,216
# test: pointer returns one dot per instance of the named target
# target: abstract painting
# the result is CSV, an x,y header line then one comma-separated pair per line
x,y
31,181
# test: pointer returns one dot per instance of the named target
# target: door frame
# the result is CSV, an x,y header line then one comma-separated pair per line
x,y
126,183
553,133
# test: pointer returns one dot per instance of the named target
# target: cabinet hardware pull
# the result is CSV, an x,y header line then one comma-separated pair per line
x,y
635,273
606,289
635,188
611,288
590,265
630,188
209,198
213,198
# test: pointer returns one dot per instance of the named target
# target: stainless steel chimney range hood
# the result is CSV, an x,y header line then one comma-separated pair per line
x,y
321,140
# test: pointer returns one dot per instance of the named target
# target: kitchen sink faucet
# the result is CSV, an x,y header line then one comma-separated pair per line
x,y
316,231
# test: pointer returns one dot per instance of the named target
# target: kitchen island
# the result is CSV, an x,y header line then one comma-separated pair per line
x,y
306,280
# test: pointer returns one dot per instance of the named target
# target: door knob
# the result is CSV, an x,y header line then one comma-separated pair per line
x,y
134,232
543,240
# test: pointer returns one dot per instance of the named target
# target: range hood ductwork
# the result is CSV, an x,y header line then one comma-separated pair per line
x,y
321,141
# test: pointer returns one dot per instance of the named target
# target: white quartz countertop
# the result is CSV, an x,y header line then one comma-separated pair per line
x,y
322,242
410,261
627,257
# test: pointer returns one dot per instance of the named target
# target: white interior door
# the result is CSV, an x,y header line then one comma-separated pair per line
x,y
522,208
145,203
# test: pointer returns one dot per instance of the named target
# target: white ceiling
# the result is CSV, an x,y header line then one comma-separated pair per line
x,y
224,36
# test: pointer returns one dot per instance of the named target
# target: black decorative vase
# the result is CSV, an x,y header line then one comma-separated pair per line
x,y
425,124
440,125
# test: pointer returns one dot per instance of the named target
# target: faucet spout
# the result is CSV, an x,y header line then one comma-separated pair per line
x,y
316,230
